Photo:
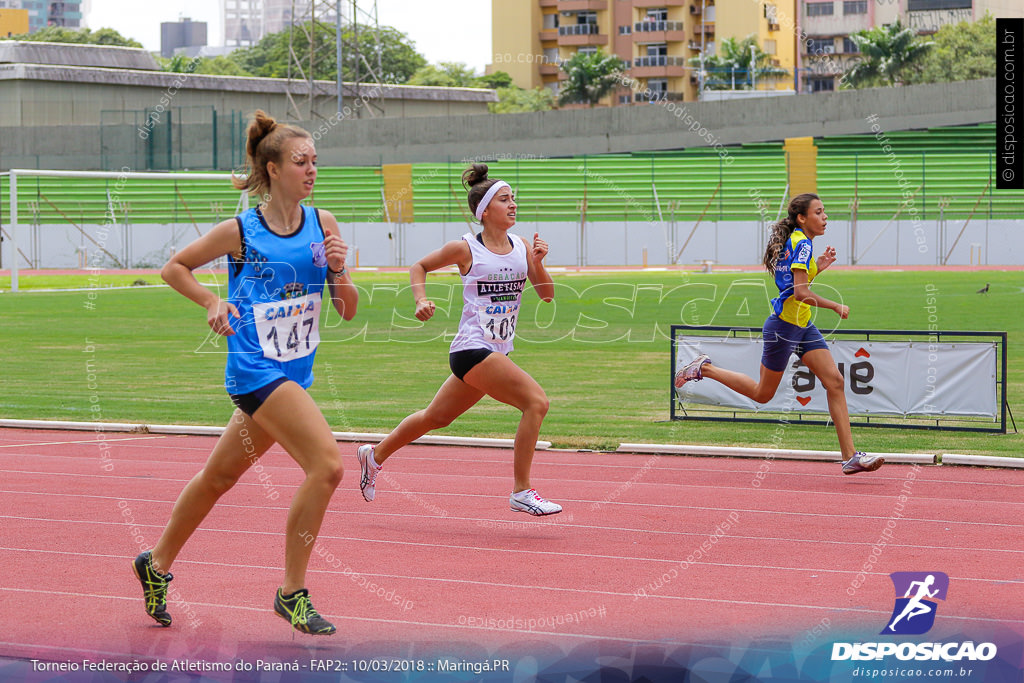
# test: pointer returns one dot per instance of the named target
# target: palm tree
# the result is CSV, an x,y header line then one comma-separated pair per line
x,y
591,77
890,54
734,59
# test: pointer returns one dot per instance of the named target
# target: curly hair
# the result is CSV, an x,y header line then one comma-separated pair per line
x,y
781,231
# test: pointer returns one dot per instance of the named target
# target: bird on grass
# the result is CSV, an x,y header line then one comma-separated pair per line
x,y
983,290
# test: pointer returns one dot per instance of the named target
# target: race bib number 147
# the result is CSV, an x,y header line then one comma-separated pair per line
x,y
289,329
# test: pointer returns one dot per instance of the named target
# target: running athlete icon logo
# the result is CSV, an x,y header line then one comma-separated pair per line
x,y
914,612
319,255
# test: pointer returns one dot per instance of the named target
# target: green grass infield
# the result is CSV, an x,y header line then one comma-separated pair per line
x,y
108,351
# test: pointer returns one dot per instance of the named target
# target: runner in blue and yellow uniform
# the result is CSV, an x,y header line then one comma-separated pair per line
x,y
280,255
788,330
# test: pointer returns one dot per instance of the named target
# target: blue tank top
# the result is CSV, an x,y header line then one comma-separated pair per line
x,y
277,286
797,254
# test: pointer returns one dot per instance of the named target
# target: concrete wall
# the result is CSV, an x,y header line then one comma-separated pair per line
x,y
457,135
76,54
40,95
113,147
84,125
612,243
659,126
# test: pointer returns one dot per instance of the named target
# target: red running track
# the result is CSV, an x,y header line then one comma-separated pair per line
x,y
623,562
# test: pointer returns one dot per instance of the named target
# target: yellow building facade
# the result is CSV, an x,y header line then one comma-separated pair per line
x,y
661,40
13,22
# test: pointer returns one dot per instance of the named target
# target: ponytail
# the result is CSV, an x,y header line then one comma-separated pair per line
x,y
265,139
776,241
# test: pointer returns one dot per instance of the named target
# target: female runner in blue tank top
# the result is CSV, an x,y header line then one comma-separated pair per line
x,y
279,255
494,266
788,329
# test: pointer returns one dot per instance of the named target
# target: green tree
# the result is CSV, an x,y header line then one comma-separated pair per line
x,y
61,34
730,67
513,100
494,81
177,64
221,65
458,75
890,55
270,57
962,52
590,77
445,75
398,56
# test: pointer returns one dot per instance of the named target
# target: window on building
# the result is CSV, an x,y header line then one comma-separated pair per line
x,y
586,18
588,50
855,6
625,30
657,49
551,56
657,14
850,47
625,99
657,85
550,21
770,46
820,46
925,5
821,84
820,9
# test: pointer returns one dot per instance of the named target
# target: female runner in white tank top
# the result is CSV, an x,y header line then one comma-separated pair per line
x,y
494,266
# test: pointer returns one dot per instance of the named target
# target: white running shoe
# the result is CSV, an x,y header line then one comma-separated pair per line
x,y
691,371
529,502
368,469
861,462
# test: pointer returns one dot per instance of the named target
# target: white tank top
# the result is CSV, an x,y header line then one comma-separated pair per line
x,y
491,294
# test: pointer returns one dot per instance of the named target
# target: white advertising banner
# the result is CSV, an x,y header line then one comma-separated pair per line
x,y
881,377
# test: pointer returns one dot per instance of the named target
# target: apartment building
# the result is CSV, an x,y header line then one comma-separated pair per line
x,y
186,35
247,21
828,51
657,38
43,13
13,22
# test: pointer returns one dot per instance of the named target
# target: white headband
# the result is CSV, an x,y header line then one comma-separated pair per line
x,y
491,191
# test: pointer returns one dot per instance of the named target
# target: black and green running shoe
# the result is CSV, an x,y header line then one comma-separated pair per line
x,y
154,587
297,608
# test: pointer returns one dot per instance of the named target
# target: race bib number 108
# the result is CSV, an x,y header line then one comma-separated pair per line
x,y
289,329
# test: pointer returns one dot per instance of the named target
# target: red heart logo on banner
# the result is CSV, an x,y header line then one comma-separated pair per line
x,y
804,400
861,353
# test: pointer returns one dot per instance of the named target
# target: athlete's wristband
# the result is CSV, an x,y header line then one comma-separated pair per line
x,y
337,273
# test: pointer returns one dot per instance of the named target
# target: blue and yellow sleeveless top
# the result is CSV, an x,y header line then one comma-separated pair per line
x,y
277,286
796,255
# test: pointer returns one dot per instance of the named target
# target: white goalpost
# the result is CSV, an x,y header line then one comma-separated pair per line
x,y
135,202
